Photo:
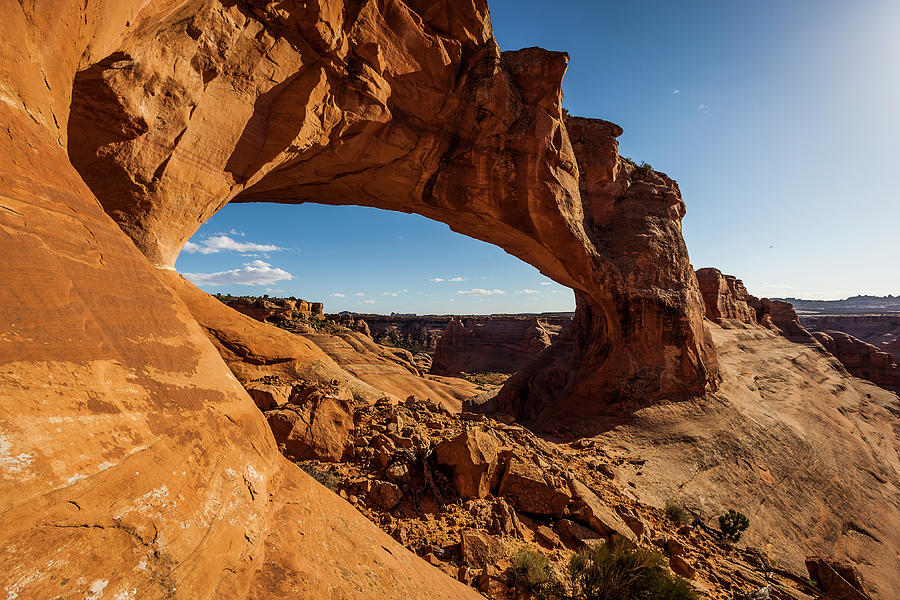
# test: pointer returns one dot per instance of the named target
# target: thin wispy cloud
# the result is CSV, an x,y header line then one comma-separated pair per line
x,y
338,295
674,92
254,272
546,283
527,291
359,294
480,292
395,294
223,243
703,108
447,279
367,302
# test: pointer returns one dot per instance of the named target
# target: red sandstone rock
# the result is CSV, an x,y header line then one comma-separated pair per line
x,y
320,428
471,458
528,490
861,359
781,315
724,297
595,513
840,580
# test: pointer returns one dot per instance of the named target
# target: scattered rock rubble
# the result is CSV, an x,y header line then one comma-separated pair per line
x,y
466,491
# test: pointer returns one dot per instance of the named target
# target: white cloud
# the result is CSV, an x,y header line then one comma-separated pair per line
x,y
337,295
359,294
218,243
395,294
449,279
676,92
546,283
703,108
479,292
367,302
527,291
777,286
255,272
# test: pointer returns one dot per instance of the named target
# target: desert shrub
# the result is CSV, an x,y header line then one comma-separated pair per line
x,y
732,524
326,478
645,168
530,572
620,572
677,514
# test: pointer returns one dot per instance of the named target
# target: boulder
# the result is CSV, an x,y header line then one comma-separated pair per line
x,y
596,514
472,460
385,494
525,486
576,536
322,430
267,395
681,567
839,579
546,537
478,549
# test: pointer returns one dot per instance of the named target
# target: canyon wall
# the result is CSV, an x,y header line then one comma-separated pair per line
x,y
880,330
492,344
861,359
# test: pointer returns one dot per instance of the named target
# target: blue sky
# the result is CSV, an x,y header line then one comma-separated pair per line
x,y
780,121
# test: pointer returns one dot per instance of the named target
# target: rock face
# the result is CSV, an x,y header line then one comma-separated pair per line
x,y
488,344
861,359
725,297
409,107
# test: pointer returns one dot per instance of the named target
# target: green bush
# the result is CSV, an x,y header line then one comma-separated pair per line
x,y
645,168
530,572
326,478
732,524
677,514
620,572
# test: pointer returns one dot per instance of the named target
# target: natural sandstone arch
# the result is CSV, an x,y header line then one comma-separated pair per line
x,y
132,463
408,107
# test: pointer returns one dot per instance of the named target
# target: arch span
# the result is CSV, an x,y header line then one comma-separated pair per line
x,y
406,106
